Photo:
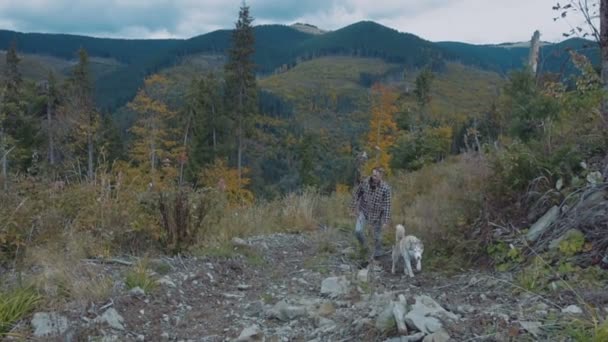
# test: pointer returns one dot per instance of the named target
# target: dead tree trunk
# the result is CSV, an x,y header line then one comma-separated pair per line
x,y
604,51
534,50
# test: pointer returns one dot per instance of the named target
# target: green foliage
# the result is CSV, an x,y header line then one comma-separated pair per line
x,y
573,244
527,109
413,150
581,330
505,256
535,277
16,304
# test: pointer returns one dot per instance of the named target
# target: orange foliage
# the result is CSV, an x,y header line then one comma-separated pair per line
x,y
383,129
226,179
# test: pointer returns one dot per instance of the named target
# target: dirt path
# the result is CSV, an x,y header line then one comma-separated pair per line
x,y
273,285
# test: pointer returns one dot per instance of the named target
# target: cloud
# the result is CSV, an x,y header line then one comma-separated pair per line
x,y
477,21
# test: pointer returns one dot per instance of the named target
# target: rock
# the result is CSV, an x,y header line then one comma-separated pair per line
x,y
252,333
254,309
385,321
425,314
348,251
572,309
140,338
465,309
238,242
286,312
324,322
439,336
399,310
345,268
112,318
362,275
559,184
326,309
531,327
137,292
594,178
571,233
542,224
166,281
411,338
233,296
49,324
335,286
591,201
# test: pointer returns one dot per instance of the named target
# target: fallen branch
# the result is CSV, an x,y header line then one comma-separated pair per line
x,y
109,261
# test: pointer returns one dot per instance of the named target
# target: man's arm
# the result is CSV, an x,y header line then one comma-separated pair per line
x,y
354,203
386,206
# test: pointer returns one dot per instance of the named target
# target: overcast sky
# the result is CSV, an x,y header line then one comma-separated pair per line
x,y
473,21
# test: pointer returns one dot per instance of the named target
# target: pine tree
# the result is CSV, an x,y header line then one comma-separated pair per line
x,y
240,78
210,125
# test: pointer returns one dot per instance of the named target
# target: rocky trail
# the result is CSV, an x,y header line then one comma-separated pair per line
x,y
306,287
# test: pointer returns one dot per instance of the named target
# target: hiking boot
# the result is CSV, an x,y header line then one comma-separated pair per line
x,y
378,252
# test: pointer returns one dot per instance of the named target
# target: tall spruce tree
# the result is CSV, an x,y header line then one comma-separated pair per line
x,y
240,79
210,125
11,109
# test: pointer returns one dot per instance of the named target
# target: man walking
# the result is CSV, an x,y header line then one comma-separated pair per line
x,y
371,204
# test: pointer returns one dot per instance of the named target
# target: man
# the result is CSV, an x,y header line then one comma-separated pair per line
x,y
371,204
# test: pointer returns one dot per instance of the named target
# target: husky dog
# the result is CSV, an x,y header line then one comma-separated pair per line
x,y
410,248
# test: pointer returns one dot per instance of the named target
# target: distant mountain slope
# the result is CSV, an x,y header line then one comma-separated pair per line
x,y
280,47
65,45
554,57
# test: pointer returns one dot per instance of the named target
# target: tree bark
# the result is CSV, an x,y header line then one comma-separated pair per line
x,y
534,49
604,51
90,158
49,118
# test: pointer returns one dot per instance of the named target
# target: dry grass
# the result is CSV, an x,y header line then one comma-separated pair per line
x,y
60,275
440,203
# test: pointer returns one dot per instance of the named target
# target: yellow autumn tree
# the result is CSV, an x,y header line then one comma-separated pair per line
x,y
382,127
226,180
156,146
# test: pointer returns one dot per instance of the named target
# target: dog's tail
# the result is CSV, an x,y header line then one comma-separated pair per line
x,y
399,232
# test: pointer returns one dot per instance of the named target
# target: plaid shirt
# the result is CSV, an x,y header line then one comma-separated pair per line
x,y
374,203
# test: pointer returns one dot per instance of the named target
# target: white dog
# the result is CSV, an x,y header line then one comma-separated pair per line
x,y
410,248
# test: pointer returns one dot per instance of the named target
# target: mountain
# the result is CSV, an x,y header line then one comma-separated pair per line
x,y
307,28
278,48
